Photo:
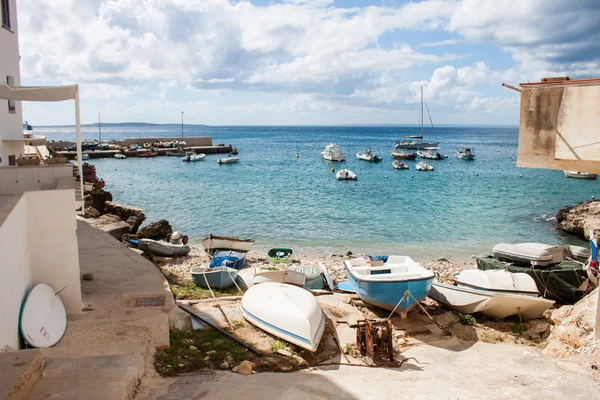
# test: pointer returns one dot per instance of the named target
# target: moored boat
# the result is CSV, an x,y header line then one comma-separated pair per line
x,y
120,156
345,175
403,155
190,156
215,278
386,285
288,312
230,159
414,142
579,175
398,164
368,156
423,166
147,154
176,153
333,152
160,248
211,243
85,156
465,153
429,154
280,255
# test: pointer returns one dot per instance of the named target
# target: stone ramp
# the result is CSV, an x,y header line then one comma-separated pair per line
x,y
19,371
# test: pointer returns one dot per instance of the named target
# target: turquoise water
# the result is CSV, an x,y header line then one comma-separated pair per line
x,y
460,209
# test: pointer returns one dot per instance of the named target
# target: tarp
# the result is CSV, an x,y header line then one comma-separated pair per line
x,y
566,283
38,93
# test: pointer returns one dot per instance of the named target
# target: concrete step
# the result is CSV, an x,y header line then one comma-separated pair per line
x,y
19,371
107,377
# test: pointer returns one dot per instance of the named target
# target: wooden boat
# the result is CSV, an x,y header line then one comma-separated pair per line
x,y
280,255
190,156
465,153
229,258
403,155
211,243
314,276
497,294
148,154
120,156
216,278
230,159
281,276
345,175
423,166
333,152
429,155
385,285
43,318
368,156
160,248
579,175
536,254
398,164
288,312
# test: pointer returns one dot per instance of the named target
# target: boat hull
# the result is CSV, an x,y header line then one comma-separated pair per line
x,y
404,155
288,312
415,145
229,258
216,278
283,276
579,175
466,157
160,248
211,243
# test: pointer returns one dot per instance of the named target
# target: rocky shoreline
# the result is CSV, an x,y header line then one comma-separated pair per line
x,y
580,219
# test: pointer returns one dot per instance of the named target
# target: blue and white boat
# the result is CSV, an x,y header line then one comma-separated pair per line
x,y
216,278
228,258
384,284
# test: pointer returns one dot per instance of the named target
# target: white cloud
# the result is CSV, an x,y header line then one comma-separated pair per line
x,y
447,42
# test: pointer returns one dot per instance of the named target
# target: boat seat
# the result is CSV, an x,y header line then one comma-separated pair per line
x,y
398,275
400,269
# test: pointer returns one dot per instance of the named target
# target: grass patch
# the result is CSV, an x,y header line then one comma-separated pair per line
x,y
466,319
187,290
518,328
179,358
278,345
270,268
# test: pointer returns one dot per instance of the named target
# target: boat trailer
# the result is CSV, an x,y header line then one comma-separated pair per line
x,y
375,336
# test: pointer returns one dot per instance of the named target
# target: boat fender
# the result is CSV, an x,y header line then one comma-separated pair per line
x,y
185,239
332,169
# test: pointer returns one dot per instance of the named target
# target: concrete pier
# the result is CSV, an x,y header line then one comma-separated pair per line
x,y
71,155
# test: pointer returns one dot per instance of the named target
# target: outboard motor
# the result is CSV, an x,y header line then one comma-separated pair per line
x,y
177,238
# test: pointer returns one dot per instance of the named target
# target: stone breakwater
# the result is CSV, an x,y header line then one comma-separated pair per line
x,y
580,219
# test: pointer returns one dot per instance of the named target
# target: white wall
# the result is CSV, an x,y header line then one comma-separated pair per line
x,y
38,244
11,124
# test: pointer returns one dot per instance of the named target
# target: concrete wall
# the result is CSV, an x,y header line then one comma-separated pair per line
x,y
189,141
38,244
18,180
11,124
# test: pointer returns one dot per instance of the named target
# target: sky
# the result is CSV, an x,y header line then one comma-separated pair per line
x,y
300,62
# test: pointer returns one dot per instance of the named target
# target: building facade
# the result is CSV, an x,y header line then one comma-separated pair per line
x,y
11,113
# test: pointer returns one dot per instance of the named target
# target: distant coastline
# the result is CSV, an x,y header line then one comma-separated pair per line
x,y
145,124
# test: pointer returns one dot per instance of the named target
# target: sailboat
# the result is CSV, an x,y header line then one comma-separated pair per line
x,y
415,142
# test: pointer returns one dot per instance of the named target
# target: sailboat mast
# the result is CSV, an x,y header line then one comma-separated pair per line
x,y
99,129
421,110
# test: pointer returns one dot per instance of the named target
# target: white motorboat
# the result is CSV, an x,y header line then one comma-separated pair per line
x,y
333,152
120,156
423,166
429,154
190,156
85,156
538,254
465,153
495,293
368,156
230,159
288,312
398,164
345,175
281,276
579,175
211,243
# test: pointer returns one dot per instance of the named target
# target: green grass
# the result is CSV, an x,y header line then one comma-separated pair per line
x,y
187,290
167,361
466,319
519,328
278,345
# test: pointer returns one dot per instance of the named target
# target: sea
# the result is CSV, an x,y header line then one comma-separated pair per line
x,y
284,194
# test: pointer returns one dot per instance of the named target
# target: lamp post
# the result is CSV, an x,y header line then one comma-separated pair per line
x,y
182,125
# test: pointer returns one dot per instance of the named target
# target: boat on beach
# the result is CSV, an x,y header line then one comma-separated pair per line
x,y
333,152
368,156
398,164
212,243
538,254
579,175
396,284
280,255
345,175
190,156
230,159
423,166
214,278
403,155
228,258
281,276
495,293
314,280
288,312
465,153
160,248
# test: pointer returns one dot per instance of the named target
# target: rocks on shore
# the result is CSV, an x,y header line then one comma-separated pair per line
x,y
155,230
133,216
579,219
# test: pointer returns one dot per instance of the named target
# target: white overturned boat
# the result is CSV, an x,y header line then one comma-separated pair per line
x,y
230,159
333,152
345,175
288,312
281,276
495,293
211,243
579,175
423,166
538,254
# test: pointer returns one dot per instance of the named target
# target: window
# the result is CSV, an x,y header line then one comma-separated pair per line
x,y
5,14
10,81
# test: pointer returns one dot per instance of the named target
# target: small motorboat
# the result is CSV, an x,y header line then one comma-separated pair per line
x,y
160,248
281,276
190,156
429,154
495,293
85,156
368,156
147,154
288,312
333,152
314,276
280,255
579,175
465,153
538,254
398,164
120,156
345,175
396,285
215,278
423,166
230,159
228,258
212,243
403,155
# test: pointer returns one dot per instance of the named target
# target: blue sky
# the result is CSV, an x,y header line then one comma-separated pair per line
x,y
295,62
